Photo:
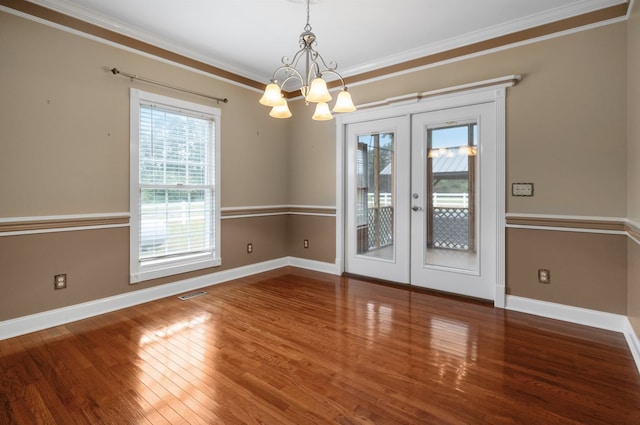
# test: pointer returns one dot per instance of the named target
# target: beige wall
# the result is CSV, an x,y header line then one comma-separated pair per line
x,y
566,133
312,164
320,231
65,126
587,270
633,121
97,263
64,134
633,164
565,120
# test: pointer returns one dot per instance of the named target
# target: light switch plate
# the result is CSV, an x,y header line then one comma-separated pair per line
x,y
522,189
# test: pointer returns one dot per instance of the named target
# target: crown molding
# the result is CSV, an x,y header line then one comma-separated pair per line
x,y
553,22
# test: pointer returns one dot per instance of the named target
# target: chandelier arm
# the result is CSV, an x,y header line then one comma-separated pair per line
x,y
293,73
296,57
295,76
331,71
299,55
313,69
332,64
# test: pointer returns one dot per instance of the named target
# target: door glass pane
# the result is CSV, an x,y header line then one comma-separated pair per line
x,y
375,174
452,198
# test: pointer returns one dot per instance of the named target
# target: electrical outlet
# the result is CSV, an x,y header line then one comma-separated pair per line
x,y
306,243
249,248
60,281
544,276
522,189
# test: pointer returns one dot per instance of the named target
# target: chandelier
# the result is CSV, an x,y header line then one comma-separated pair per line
x,y
312,86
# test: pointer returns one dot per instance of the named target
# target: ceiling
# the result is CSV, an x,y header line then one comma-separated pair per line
x,y
249,37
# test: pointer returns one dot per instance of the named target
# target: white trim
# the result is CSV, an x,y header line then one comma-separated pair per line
x,y
566,229
340,140
633,342
637,226
125,48
62,229
479,93
602,219
505,28
505,81
263,207
254,207
65,217
141,270
567,313
621,220
581,316
183,52
318,266
47,319
226,217
54,218
499,297
248,210
481,53
353,71
35,322
311,214
322,207
488,91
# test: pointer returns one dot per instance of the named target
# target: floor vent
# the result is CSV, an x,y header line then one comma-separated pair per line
x,y
191,295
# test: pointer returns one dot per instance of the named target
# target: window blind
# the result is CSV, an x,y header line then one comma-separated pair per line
x,y
176,182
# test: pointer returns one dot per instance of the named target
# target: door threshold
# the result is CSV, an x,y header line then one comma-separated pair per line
x,y
420,289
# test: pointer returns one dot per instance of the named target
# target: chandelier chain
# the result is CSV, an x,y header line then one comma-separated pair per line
x,y
308,26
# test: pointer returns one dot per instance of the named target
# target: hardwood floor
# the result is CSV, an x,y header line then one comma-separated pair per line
x,y
298,347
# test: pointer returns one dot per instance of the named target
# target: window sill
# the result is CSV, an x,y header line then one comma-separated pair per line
x,y
162,268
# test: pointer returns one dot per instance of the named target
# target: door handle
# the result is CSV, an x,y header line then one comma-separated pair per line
x,y
416,208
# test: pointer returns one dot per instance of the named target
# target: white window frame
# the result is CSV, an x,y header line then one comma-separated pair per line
x,y
152,269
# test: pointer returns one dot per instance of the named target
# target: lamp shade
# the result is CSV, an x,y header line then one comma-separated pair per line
x,y
344,102
281,111
318,91
272,95
322,112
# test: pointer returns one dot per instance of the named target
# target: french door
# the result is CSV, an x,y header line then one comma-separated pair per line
x,y
378,212
421,199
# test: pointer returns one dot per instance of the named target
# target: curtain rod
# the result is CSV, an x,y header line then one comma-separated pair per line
x,y
116,71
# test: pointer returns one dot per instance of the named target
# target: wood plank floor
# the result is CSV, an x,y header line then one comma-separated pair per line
x,y
298,347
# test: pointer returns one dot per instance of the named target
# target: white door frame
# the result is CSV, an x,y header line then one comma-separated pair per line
x,y
496,94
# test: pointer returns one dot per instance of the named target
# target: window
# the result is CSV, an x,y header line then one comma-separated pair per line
x,y
175,201
374,184
451,167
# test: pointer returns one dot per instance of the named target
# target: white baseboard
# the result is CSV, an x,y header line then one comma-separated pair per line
x,y
61,316
47,319
581,316
633,342
317,266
